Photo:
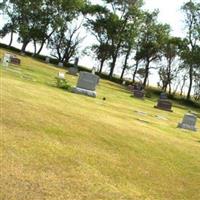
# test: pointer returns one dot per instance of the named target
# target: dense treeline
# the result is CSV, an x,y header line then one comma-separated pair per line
x,y
123,31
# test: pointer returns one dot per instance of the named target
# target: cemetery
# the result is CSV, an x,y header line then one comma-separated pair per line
x,y
99,100
75,136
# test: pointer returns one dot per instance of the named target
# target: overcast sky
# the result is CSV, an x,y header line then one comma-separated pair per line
x,y
170,12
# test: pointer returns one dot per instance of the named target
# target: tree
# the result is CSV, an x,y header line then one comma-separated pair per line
x,y
152,39
64,43
121,14
37,20
109,28
131,35
168,72
12,24
96,26
190,56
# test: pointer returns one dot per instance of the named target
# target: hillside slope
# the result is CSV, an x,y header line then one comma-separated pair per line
x,y
56,145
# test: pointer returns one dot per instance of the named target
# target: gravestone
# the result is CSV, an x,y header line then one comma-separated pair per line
x,y
163,95
86,85
76,61
188,122
6,60
124,83
60,64
47,60
61,75
74,70
138,91
93,70
164,103
15,61
138,94
131,87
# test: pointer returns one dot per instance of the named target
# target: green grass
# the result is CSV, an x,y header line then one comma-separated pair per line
x,y
56,145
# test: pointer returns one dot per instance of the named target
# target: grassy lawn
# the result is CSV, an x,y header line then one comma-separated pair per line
x,y
56,145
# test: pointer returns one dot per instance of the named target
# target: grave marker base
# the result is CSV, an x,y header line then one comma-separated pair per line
x,y
84,92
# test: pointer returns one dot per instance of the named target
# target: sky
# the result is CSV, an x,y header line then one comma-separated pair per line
x,y
170,12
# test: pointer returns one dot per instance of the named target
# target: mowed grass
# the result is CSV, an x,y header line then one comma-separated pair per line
x,y
56,145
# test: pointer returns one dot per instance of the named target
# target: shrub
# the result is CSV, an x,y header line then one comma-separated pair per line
x,y
148,94
62,83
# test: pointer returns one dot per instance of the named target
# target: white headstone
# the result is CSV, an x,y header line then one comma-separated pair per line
x,y
61,75
93,70
6,60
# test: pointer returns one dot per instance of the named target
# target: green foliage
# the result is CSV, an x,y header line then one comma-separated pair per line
x,y
191,49
62,83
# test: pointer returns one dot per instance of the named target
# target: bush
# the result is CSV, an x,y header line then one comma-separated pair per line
x,y
148,94
62,83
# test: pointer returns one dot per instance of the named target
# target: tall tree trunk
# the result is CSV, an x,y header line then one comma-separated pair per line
x,y
125,63
170,88
175,90
35,47
113,66
43,42
101,65
123,71
41,47
25,43
169,80
11,38
135,72
146,74
183,85
191,82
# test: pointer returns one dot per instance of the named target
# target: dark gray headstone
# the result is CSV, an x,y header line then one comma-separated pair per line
x,y
163,96
76,61
164,104
138,94
73,70
15,61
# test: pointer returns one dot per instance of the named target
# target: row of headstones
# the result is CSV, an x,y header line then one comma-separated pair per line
x,y
189,120
163,102
72,70
87,83
10,59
